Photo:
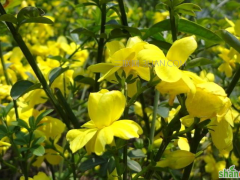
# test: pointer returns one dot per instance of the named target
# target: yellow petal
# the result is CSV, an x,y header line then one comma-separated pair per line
x,y
79,138
109,73
126,129
179,159
168,72
150,54
104,136
104,108
101,67
222,134
133,40
89,125
114,46
143,72
183,144
181,50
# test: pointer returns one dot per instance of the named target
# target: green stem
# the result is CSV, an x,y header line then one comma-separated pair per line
x,y
145,116
142,172
234,82
66,106
4,66
125,148
152,131
118,166
101,43
123,13
173,24
74,168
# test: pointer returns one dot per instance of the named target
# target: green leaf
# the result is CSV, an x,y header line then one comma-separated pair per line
x,y
91,163
111,165
177,2
133,165
163,111
41,20
42,115
22,87
84,80
86,4
38,140
54,73
22,123
200,31
8,18
198,62
231,40
186,27
161,44
84,31
31,122
188,7
187,12
39,151
3,131
136,153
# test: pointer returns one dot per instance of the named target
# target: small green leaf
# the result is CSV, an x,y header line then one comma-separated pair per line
x,y
8,18
198,62
84,31
161,44
231,40
39,151
188,7
31,122
42,115
91,163
22,87
41,20
163,111
136,153
184,26
177,2
187,12
84,80
54,73
3,131
22,123
39,140
133,165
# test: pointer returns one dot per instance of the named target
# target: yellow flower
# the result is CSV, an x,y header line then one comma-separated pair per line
x,y
104,109
213,167
123,59
174,81
4,145
207,76
160,16
39,176
209,101
229,64
177,159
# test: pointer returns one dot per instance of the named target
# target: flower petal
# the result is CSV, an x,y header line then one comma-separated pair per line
x,y
104,108
82,136
114,46
168,72
104,136
126,129
133,40
181,50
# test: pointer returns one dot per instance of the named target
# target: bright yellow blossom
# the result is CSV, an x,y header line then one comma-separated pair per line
x,y
174,81
39,176
177,159
104,108
209,101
